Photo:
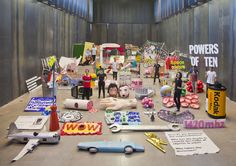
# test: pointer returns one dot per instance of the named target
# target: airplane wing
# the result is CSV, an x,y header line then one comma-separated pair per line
x,y
28,147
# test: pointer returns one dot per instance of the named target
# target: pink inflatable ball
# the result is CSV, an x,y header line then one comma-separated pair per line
x,y
146,106
145,99
147,71
143,102
150,99
151,104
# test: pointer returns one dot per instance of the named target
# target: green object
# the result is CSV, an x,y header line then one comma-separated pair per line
x,y
78,50
183,92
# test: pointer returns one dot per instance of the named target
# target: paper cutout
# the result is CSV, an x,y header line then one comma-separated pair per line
x,y
122,117
70,116
30,122
191,142
204,123
39,104
175,118
86,128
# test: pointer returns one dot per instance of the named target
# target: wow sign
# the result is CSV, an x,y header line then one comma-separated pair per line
x,y
85,128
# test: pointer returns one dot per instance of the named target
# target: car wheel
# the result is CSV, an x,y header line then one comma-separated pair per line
x,y
128,150
93,150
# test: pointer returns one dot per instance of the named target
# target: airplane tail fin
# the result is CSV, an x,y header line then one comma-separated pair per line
x,y
13,129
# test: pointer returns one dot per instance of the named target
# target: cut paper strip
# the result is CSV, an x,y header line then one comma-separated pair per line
x,y
70,116
204,123
83,128
39,104
191,143
93,110
122,117
169,116
30,122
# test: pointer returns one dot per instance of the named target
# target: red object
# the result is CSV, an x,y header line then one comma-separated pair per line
x,y
170,104
165,100
188,83
187,101
49,76
54,122
189,97
168,60
200,90
182,99
195,106
87,80
194,101
184,104
171,99
120,49
195,96
199,82
200,86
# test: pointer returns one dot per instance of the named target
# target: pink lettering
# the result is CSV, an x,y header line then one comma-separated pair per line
x,y
201,124
195,124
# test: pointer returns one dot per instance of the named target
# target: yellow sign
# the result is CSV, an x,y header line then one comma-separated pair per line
x,y
177,65
81,128
216,102
87,46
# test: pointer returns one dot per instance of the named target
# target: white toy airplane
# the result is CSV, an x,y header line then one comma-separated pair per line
x,y
31,138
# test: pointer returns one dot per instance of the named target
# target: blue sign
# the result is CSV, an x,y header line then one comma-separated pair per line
x,y
39,104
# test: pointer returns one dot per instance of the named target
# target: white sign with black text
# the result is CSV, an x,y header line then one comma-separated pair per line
x,y
204,49
191,142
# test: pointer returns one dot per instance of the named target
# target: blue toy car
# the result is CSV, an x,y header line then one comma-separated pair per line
x,y
110,146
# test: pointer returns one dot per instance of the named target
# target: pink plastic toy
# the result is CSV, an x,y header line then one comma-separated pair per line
x,y
147,102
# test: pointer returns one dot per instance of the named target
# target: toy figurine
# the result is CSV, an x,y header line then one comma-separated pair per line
x,y
115,104
113,90
115,65
156,141
178,89
152,117
32,139
124,91
101,82
87,87
110,146
156,71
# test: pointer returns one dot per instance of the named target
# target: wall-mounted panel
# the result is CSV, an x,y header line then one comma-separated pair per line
x,y
123,11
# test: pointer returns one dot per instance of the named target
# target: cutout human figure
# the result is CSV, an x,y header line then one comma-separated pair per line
x,y
94,52
211,78
115,68
193,77
178,89
156,71
101,82
86,84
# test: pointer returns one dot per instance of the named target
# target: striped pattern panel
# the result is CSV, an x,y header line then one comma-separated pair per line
x,y
32,83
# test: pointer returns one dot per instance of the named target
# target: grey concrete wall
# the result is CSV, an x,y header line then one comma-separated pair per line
x,y
123,11
121,33
213,22
29,31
